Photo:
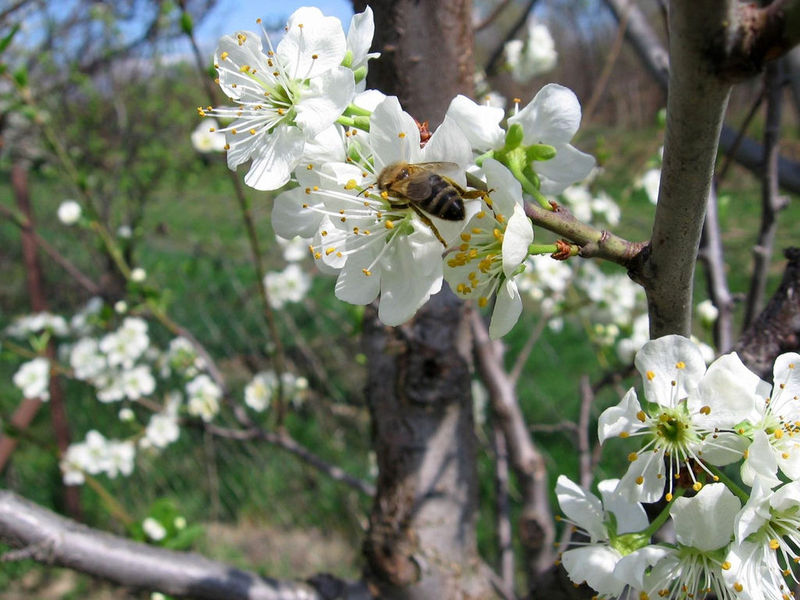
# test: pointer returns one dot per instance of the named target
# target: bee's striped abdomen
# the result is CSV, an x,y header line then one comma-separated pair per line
x,y
444,202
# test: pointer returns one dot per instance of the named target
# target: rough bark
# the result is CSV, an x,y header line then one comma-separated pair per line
x,y
777,329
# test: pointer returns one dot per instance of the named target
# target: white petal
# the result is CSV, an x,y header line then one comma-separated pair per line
x,y
359,36
242,49
481,124
448,144
729,390
393,134
755,512
552,117
761,461
353,285
581,507
507,309
630,516
275,159
667,359
506,189
649,466
291,218
620,418
723,448
310,34
706,520
516,240
325,100
568,166
595,565
632,568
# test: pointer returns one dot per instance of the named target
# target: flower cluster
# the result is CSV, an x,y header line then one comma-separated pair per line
x,y
728,541
153,389
373,186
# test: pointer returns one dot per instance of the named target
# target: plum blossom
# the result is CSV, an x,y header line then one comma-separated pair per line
x,y
203,396
153,529
290,285
594,562
533,56
69,212
207,138
678,427
285,95
162,430
494,247
33,378
552,118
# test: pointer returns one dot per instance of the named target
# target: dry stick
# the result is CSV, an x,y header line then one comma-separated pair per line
x,y
52,539
505,550
771,201
493,65
85,282
492,16
586,470
255,251
528,463
608,67
740,136
711,255
522,357
283,440
36,291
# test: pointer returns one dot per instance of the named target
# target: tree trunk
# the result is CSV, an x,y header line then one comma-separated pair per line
x,y
421,541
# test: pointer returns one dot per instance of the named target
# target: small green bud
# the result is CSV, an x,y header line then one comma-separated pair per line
x,y
514,137
539,152
4,43
21,77
187,26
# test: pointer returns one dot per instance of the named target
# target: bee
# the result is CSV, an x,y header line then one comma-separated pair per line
x,y
422,185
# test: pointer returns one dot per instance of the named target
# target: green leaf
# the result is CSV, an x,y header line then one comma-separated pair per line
x,y
7,39
187,26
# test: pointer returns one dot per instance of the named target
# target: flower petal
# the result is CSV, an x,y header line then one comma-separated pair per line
x,y
507,309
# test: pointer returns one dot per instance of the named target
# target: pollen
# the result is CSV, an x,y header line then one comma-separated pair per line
x,y
330,251
241,38
774,544
680,365
641,416
315,56
252,132
310,167
480,214
697,486
483,301
224,55
366,272
738,586
668,497
401,135
706,410
650,376
624,435
639,480
234,132
388,224
351,184
632,456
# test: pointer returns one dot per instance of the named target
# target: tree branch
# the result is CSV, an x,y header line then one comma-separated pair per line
x,y
695,108
53,539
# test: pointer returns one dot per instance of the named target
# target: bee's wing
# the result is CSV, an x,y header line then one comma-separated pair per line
x,y
448,169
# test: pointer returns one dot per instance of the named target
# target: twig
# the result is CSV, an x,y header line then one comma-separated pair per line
x,y
284,441
523,355
584,445
602,81
711,255
492,16
739,138
493,64
538,532
771,201
505,551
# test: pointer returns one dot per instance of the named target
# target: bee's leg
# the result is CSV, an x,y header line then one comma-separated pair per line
x,y
424,218
472,194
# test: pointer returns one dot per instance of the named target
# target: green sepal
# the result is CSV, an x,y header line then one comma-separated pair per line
x,y
187,25
4,43
348,59
359,74
629,542
539,152
514,137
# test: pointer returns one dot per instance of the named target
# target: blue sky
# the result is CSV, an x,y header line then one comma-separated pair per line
x,y
231,15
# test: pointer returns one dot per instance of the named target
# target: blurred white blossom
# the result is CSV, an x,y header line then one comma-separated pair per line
x,y
69,212
33,378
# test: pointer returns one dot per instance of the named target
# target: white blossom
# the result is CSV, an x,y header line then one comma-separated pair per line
x,y
69,212
153,529
207,138
162,430
203,396
33,378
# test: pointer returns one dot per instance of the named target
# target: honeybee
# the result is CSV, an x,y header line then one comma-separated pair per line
x,y
423,185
